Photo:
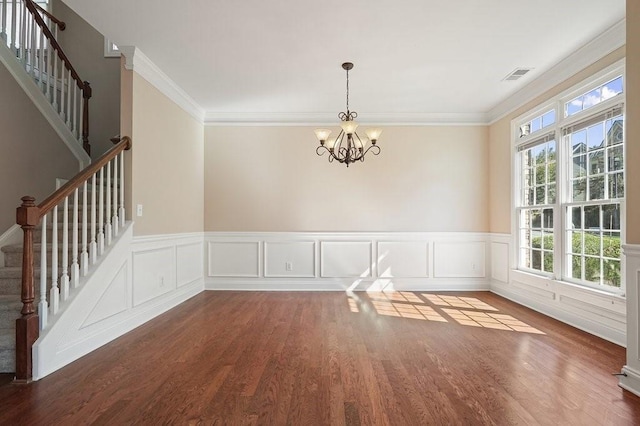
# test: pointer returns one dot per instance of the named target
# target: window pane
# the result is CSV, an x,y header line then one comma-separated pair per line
x,y
576,242
596,162
595,136
614,158
592,217
536,124
551,194
540,174
536,259
612,88
579,166
536,219
579,189
592,269
547,215
616,185
611,245
596,188
592,98
615,133
611,272
576,267
539,154
611,216
549,118
576,217
579,142
540,193
592,243
574,106
548,261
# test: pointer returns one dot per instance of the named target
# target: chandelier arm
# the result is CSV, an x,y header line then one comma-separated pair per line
x,y
319,150
375,151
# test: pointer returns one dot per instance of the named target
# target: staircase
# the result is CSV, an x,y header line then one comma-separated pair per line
x,y
30,51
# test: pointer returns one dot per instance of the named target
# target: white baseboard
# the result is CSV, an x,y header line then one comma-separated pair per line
x,y
584,323
630,380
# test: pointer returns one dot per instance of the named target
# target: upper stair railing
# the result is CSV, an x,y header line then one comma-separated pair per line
x,y
30,32
94,200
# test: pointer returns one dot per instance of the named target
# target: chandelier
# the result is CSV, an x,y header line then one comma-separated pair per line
x,y
348,147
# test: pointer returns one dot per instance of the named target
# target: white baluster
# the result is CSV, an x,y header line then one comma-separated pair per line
x,y
14,24
32,47
121,189
49,71
41,62
54,298
69,83
63,91
114,220
64,280
43,306
74,120
101,214
93,247
107,226
84,260
23,33
3,33
75,268
80,118
56,95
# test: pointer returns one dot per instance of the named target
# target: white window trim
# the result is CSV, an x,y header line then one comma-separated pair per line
x,y
558,101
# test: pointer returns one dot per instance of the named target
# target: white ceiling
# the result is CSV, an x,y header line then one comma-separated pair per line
x,y
282,58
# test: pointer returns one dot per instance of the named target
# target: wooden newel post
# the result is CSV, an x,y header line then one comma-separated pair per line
x,y
86,95
27,327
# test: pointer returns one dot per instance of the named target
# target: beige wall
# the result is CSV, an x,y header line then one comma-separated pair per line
x,y
500,145
166,161
84,46
632,123
270,179
32,155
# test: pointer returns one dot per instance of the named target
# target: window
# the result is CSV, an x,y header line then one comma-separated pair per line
x,y
570,185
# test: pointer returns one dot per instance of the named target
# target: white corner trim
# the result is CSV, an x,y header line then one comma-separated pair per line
x,y
213,118
16,69
631,380
596,49
137,61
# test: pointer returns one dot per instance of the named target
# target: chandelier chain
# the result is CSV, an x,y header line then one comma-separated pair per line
x,y
347,91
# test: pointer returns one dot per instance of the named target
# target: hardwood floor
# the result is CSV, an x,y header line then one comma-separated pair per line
x,y
333,358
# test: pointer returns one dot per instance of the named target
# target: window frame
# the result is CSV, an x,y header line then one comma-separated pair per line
x,y
561,265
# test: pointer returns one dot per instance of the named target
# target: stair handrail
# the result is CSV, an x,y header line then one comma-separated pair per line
x,y
29,216
58,22
84,86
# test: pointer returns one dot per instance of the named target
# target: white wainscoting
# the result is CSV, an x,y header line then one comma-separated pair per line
x,y
339,261
631,379
597,312
139,279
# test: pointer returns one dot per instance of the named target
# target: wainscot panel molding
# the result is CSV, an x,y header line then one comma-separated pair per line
x,y
631,379
139,279
597,312
337,261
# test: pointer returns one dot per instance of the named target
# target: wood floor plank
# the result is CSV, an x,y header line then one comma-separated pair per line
x,y
407,358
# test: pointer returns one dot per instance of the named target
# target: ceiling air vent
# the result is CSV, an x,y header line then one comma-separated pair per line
x,y
516,74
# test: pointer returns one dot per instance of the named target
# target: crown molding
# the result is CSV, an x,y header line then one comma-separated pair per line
x,y
596,49
329,119
137,61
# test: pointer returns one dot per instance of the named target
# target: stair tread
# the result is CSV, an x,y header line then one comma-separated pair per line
x,y
17,248
10,302
16,271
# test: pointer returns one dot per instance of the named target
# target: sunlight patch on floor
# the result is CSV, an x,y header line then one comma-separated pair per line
x,y
462,310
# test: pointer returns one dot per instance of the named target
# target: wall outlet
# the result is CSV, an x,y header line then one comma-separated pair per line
x,y
288,266
139,210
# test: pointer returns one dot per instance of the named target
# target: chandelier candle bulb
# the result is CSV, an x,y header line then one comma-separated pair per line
x,y
348,147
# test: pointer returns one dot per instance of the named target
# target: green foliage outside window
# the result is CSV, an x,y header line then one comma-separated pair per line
x,y
610,249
